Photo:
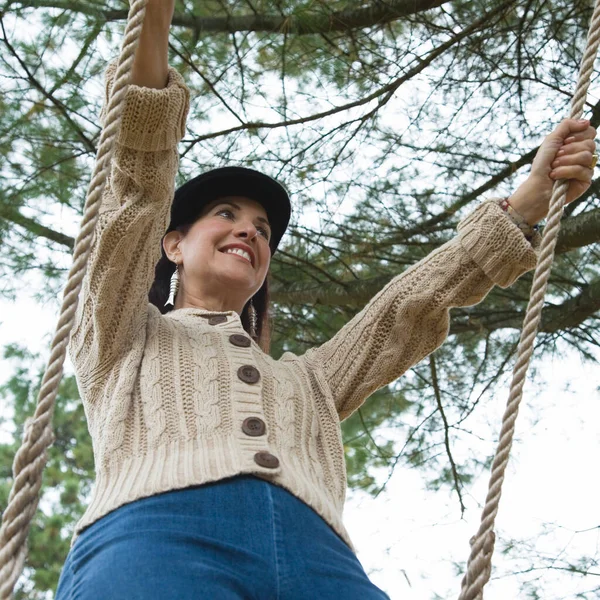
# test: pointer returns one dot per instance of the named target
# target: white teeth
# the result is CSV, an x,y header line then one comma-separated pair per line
x,y
239,251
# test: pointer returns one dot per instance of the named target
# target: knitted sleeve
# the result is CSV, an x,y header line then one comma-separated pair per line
x,y
133,218
409,317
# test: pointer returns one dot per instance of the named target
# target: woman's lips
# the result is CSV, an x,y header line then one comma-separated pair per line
x,y
238,256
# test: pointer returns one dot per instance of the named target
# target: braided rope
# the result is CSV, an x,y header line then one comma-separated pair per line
x,y
482,544
31,457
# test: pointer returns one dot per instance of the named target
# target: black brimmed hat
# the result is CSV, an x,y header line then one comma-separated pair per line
x,y
193,195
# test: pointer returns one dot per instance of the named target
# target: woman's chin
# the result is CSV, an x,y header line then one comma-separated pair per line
x,y
238,279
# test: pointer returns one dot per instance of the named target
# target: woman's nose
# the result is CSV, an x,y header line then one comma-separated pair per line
x,y
247,230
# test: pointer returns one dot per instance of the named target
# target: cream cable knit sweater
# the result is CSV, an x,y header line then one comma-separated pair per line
x,y
167,396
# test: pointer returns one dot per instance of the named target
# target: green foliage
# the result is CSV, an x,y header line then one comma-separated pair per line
x,y
68,475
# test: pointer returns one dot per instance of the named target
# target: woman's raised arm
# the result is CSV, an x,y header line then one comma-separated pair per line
x,y
151,66
409,318
135,209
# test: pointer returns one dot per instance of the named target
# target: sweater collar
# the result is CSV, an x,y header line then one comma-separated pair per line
x,y
181,313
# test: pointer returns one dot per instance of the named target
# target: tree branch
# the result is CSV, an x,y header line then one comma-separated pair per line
x,y
576,232
383,94
14,216
381,454
438,399
569,314
372,15
579,231
64,110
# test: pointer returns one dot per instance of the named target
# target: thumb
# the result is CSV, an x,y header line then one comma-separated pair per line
x,y
567,128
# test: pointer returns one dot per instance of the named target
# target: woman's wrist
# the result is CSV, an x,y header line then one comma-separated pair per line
x,y
151,66
527,229
529,204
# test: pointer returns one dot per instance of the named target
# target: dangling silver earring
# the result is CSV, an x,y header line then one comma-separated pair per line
x,y
253,320
174,287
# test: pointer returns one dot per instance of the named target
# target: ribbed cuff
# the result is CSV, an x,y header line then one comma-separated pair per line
x,y
152,119
496,244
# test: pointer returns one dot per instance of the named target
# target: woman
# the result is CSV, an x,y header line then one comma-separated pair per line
x,y
220,471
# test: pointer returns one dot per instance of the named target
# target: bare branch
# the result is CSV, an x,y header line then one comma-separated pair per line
x,y
579,231
438,399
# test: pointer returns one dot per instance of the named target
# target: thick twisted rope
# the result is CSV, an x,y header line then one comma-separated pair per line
x,y
37,437
482,544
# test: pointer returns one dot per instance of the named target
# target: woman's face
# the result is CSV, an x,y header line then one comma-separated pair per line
x,y
208,268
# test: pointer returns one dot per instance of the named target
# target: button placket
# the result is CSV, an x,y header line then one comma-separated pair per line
x,y
247,399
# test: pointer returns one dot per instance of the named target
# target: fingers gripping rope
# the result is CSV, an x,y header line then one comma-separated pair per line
x,y
482,544
32,455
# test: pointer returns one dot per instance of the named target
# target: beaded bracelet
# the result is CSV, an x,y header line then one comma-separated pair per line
x,y
527,229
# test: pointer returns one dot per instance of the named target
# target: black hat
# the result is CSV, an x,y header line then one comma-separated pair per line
x,y
194,194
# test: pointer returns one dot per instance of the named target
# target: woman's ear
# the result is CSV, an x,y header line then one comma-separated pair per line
x,y
171,245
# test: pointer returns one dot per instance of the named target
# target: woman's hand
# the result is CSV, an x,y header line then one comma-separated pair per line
x,y
151,63
565,154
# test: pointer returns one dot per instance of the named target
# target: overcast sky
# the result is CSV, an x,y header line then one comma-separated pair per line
x,y
409,539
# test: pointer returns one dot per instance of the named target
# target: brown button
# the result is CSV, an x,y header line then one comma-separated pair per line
x,y
249,374
253,426
237,339
217,319
266,459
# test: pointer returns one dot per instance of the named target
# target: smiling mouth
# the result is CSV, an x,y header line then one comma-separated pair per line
x,y
238,256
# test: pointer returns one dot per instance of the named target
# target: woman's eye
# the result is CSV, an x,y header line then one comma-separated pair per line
x,y
264,232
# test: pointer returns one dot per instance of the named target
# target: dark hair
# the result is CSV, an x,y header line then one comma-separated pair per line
x,y
159,292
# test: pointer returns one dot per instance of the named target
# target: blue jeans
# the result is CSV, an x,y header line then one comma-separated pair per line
x,y
237,539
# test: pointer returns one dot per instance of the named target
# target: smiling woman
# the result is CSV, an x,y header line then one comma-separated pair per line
x,y
206,280
221,209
